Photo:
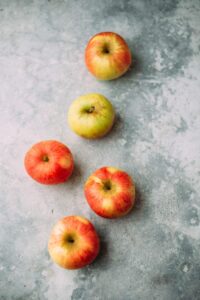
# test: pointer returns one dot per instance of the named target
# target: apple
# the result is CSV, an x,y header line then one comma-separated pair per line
x,y
107,56
73,242
110,192
91,116
49,162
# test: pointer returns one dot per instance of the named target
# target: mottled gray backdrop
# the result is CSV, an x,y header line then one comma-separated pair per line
x,y
154,252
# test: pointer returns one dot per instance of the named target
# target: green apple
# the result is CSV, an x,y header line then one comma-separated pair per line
x,y
91,116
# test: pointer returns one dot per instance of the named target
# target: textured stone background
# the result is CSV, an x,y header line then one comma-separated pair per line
x,y
154,252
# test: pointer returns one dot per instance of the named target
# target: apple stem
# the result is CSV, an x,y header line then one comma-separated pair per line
x,y
106,49
70,240
45,158
91,109
107,185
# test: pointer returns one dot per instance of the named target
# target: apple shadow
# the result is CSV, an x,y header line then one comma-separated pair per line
x,y
135,67
139,202
138,207
76,173
103,258
116,129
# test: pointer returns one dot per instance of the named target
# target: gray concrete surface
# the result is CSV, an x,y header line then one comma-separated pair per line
x,y
154,252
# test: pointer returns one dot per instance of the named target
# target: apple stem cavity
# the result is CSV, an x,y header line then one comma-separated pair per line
x,y
91,109
107,186
106,49
45,158
70,239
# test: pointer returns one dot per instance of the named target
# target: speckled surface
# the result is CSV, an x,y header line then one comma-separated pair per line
x,y
153,253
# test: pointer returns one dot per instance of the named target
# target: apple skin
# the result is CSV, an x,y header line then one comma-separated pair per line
x,y
73,243
49,162
91,116
107,56
110,192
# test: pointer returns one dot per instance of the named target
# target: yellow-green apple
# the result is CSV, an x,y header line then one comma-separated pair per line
x,y
73,242
49,162
91,116
107,56
110,192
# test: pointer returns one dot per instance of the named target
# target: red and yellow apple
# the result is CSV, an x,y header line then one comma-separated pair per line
x,y
107,56
49,162
73,242
110,192
91,116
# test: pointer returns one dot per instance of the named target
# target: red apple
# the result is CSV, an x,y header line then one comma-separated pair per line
x,y
49,162
110,192
107,56
73,243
